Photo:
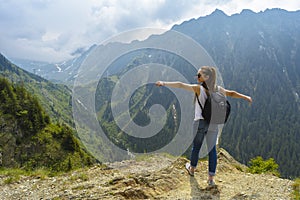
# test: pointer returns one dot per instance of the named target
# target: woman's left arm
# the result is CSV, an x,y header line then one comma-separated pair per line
x,y
235,94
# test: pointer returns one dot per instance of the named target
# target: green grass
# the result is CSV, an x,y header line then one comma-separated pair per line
x,y
13,175
296,189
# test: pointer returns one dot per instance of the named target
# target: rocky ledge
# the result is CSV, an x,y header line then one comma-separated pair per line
x,y
151,177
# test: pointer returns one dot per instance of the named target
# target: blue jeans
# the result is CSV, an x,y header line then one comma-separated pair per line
x,y
210,135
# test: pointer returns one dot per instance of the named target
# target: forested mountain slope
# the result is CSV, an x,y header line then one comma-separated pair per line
x,y
259,55
54,98
28,138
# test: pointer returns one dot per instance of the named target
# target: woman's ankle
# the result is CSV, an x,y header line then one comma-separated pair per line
x,y
192,168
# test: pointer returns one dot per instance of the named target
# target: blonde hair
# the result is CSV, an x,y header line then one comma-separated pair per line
x,y
210,83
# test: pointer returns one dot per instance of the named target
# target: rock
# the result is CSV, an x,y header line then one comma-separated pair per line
x,y
154,177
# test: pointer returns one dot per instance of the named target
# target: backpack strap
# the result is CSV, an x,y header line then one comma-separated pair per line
x,y
198,100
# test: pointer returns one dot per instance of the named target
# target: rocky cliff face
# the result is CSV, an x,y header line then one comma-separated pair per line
x,y
156,177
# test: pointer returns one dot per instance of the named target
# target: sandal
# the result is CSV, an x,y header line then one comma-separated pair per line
x,y
188,168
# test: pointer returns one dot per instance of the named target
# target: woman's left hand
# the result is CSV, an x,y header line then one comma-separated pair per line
x,y
249,99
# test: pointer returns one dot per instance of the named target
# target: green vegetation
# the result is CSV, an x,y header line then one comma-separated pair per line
x,y
14,174
296,189
258,166
28,139
55,99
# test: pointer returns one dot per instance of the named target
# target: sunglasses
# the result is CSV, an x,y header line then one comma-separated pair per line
x,y
198,75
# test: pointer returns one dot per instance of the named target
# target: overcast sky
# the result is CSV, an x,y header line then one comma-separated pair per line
x,y
54,30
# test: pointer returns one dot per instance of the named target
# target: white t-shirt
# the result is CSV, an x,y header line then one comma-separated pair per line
x,y
202,98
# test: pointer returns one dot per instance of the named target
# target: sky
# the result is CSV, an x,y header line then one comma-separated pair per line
x,y
57,30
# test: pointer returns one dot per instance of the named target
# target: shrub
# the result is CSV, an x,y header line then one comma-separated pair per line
x,y
258,165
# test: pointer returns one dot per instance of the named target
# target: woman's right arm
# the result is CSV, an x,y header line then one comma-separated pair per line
x,y
189,87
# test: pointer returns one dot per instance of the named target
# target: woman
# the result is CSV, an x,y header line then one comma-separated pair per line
x,y
207,78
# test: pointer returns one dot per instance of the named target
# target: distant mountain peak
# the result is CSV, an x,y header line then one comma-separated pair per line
x,y
247,12
218,12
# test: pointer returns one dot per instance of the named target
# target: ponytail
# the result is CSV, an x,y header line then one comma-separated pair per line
x,y
213,78
210,83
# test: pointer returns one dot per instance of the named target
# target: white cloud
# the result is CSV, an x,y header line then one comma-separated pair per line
x,y
52,30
